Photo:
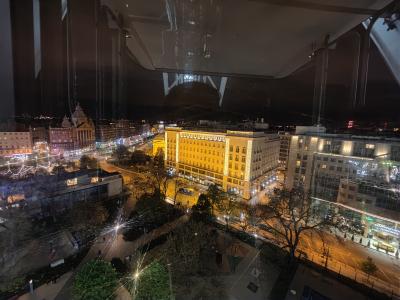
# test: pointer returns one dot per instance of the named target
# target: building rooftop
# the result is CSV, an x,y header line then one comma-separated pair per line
x,y
344,136
234,130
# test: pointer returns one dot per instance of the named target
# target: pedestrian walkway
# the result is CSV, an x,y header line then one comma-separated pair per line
x,y
115,246
47,291
121,248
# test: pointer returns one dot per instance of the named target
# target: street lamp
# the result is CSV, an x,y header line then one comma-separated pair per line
x,y
31,286
136,275
116,227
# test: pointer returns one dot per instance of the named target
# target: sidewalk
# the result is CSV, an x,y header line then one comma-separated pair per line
x,y
47,291
121,248
364,241
338,267
118,248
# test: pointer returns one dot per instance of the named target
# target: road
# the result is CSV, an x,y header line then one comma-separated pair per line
x,y
342,252
351,254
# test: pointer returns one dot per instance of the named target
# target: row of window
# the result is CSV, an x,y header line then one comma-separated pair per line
x,y
204,151
15,133
198,143
237,158
237,149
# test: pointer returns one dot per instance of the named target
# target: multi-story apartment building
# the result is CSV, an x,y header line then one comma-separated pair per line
x,y
284,147
15,142
359,174
125,129
106,132
239,161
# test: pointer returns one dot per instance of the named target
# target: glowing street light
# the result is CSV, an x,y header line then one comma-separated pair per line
x,y
136,275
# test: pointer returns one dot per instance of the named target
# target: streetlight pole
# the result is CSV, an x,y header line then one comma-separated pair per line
x,y
31,286
170,280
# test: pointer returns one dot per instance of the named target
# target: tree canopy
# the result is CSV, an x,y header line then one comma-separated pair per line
x,y
87,162
121,152
185,246
96,280
368,266
201,211
152,283
87,215
139,157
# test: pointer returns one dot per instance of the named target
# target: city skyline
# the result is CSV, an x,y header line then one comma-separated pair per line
x,y
199,149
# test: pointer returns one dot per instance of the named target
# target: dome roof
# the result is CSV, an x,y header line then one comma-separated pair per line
x,y
66,123
78,117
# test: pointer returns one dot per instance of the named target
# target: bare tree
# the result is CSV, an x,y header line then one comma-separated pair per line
x,y
288,215
252,217
368,266
216,195
159,175
229,206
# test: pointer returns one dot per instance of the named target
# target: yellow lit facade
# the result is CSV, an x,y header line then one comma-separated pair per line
x,y
238,161
158,144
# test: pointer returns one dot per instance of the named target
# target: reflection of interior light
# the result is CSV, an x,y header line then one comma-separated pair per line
x,y
188,77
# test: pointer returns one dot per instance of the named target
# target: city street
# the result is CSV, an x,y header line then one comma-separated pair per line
x,y
342,250
350,253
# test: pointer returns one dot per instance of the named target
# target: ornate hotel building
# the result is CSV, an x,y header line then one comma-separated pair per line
x,y
239,161
76,134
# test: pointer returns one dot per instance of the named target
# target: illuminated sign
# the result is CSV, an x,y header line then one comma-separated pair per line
x,y
350,124
387,229
199,136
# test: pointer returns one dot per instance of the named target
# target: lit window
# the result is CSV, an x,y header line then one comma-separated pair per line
x,y
297,163
71,182
323,167
94,179
370,146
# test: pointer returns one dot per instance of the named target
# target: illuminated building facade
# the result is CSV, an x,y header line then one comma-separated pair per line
x,y
158,144
284,148
239,161
15,142
76,134
360,175
43,196
106,133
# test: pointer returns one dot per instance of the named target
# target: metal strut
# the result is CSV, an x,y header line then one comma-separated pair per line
x,y
321,76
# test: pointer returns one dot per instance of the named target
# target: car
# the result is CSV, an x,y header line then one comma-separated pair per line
x,y
186,191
